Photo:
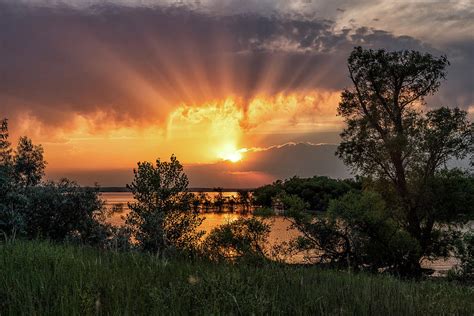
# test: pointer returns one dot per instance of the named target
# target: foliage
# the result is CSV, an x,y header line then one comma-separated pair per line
x,y
244,198
5,150
57,211
263,212
362,231
28,163
357,232
242,239
161,217
219,200
40,278
464,252
63,210
316,191
388,138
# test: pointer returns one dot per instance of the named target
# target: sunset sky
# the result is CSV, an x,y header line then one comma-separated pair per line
x,y
242,91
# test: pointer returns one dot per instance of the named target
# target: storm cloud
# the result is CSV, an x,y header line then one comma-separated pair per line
x,y
136,63
259,167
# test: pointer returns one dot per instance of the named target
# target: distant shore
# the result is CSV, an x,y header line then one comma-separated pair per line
x,y
215,189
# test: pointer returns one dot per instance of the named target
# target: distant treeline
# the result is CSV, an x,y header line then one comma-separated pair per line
x,y
315,192
125,189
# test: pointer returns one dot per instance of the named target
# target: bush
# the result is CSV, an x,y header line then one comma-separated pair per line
x,y
242,239
464,252
63,210
357,232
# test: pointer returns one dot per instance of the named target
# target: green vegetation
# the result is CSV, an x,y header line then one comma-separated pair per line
x,y
407,204
404,206
316,191
161,218
39,278
241,240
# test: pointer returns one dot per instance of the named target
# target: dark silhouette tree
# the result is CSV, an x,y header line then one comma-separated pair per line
x,y
28,163
205,201
231,202
5,159
244,198
389,138
5,146
161,217
219,200
195,203
57,211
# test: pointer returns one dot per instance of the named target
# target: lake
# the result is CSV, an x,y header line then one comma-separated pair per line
x,y
280,227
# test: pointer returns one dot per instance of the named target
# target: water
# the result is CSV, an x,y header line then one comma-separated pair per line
x,y
280,232
280,227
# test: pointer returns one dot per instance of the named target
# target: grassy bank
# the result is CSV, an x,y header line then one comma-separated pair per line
x,y
38,278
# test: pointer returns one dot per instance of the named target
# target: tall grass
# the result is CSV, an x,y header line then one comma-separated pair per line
x,y
39,278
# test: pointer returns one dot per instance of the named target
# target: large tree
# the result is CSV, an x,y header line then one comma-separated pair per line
x,y
390,139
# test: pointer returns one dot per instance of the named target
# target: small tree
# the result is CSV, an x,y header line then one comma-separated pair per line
x,y
5,149
161,217
219,200
205,201
231,202
11,221
28,164
244,198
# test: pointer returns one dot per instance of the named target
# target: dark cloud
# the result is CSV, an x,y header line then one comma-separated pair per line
x,y
257,168
135,63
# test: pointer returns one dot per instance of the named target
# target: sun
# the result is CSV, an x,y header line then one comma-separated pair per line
x,y
232,154
233,157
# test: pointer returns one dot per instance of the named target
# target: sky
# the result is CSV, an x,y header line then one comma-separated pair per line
x,y
243,92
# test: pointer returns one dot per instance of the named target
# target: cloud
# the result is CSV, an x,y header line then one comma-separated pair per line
x,y
135,63
259,166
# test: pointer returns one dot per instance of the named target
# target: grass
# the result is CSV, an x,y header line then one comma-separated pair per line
x,y
39,278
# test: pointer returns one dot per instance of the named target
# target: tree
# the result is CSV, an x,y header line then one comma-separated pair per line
x,y
316,191
11,221
389,139
195,203
231,202
219,200
161,217
205,201
29,164
5,149
245,200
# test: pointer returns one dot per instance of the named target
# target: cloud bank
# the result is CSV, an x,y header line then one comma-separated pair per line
x,y
106,83
136,62
259,167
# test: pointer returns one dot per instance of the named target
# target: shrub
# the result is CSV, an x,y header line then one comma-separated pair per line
x,y
242,239
64,210
464,252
